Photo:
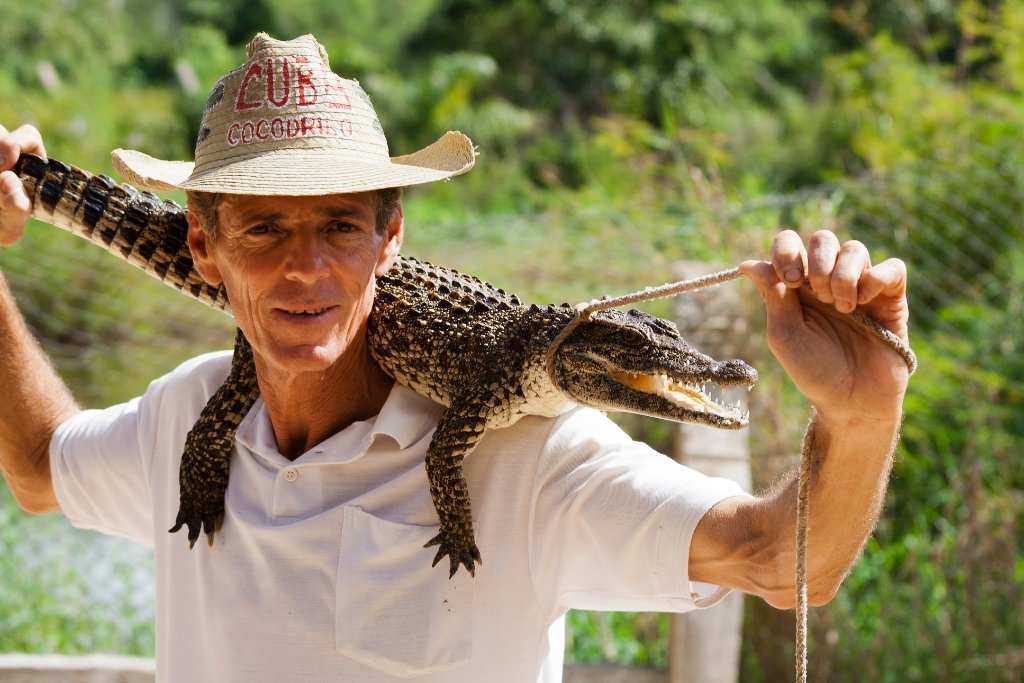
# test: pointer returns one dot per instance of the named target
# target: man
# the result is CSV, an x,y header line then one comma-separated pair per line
x,y
319,571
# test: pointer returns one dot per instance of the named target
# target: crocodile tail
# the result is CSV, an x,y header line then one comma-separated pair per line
x,y
153,235
135,226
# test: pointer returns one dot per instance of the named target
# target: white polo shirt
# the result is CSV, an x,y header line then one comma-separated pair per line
x,y
319,572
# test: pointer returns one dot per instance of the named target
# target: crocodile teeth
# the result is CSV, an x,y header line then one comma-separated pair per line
x,y
685,395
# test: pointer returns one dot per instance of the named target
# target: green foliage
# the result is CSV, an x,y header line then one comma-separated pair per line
x,y
70,591
710,77
626,638
109,329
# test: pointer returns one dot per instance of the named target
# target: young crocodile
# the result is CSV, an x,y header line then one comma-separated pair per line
x,y
481,352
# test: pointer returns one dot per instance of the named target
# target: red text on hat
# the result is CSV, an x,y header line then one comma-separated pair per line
x,y
303,82
287,127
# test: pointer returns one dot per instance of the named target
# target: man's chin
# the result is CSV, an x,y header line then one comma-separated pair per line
x,y
305,358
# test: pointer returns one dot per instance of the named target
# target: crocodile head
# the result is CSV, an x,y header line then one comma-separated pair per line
x,y
632,361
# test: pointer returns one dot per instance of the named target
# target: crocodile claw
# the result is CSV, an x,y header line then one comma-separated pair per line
x,y
197,522
458,552
203,485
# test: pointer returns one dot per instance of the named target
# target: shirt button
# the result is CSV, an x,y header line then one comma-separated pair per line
x,y
291,474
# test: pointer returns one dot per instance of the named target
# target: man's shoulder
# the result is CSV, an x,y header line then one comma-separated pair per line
x,y
588,424
577,429
200,375
215,362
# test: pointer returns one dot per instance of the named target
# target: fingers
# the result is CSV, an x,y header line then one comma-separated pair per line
x,y
841,277
15,205
14,209
886,279
779,302
834,270
13,199
17,142
824,249
837,277
789,258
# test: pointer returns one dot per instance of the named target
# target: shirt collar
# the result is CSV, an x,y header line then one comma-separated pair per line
x,y
406,417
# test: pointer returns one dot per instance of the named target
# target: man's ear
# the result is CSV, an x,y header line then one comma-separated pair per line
x,y
199,244
393,237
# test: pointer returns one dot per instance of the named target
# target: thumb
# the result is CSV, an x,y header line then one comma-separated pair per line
x,y
780,301
15,208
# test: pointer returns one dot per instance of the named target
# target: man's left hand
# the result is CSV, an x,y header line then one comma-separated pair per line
x,y
843,369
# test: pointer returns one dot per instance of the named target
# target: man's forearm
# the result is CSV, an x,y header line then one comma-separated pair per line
x,y
851,459
33,403
750,543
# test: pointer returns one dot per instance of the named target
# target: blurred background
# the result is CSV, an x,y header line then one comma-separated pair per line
x,y
617,138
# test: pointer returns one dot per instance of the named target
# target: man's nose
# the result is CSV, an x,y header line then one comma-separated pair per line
x,y
306,259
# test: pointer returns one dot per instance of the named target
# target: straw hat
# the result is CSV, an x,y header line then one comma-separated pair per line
x,y
284,124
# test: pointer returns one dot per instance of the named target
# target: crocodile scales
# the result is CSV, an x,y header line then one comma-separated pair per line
x,y
471,347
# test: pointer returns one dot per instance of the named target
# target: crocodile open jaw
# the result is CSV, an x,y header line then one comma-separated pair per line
x,y
686,395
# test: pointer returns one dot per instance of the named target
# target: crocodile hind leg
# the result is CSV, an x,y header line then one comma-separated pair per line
x,y
203,476
456,436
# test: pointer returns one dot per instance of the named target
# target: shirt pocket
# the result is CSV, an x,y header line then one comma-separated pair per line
x,y
395,612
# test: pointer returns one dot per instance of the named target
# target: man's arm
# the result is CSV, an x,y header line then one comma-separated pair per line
x,y
34,401
856,384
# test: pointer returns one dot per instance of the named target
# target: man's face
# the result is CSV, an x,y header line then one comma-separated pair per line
x,y
299,272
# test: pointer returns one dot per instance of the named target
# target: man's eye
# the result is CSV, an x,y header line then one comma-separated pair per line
x,y
342,226
261,229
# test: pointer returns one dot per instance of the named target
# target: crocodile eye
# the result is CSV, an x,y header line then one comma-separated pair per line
x,y
641,336
628,335
665,327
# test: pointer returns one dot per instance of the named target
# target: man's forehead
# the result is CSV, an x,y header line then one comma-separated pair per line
x,y
238,206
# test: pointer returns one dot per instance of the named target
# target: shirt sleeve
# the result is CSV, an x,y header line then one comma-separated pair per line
x,y
613,520
102,461
101,473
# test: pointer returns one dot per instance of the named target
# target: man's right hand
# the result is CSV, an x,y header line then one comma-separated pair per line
x,y
34,399
15,206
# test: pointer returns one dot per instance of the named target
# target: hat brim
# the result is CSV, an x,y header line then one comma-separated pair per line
x,y
300,172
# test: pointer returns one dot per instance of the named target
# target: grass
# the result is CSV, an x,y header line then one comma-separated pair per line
x,y
69,591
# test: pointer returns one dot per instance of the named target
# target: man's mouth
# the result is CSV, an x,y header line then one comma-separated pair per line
x,y
308,311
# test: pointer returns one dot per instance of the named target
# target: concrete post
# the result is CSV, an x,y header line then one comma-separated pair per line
x,y
705,646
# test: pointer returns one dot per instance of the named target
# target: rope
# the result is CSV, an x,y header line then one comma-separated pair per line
x,y
803,505
585,310
670,289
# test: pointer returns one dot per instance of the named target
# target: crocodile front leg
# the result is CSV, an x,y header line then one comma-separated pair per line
x,y
456,436
203,476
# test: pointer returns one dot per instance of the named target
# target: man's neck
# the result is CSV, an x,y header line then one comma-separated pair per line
x,y
308,408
